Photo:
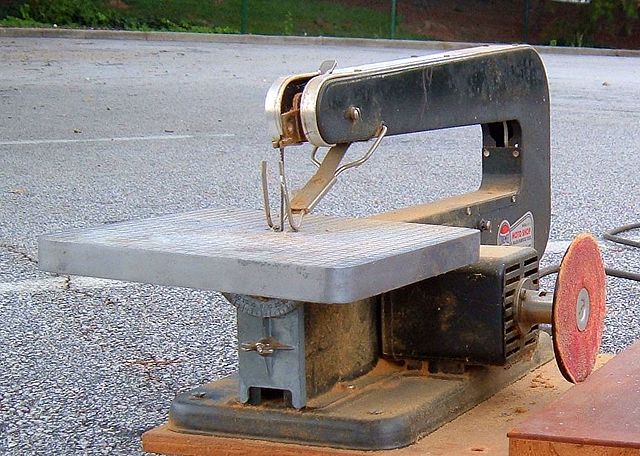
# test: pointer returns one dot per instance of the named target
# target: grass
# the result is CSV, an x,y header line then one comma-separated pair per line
x,y
266,17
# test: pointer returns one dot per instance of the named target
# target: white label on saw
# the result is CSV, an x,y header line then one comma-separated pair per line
x,y
520,233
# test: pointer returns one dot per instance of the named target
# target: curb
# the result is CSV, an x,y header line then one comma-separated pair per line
x,y
283,40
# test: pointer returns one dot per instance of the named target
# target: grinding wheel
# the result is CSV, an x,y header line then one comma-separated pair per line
x,y
579,308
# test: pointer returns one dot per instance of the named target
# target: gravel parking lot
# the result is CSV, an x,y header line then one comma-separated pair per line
x,y
95,132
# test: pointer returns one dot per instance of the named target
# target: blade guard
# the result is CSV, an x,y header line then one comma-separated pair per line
x,y
579,306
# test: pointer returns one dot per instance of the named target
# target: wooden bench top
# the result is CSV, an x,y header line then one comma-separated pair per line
x,y
603,413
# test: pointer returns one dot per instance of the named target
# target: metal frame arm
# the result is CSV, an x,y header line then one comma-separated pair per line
x,y
502,88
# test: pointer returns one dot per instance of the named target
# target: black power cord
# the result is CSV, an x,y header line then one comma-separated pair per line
x,y
611,235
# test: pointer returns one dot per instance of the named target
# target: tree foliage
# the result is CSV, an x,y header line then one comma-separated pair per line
x,y
597,18
611,11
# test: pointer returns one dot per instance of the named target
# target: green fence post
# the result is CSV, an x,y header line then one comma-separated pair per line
x,y
244,16
393,19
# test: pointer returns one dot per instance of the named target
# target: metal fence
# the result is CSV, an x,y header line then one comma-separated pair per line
x,y
393,22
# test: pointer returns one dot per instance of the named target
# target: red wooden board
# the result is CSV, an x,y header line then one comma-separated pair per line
x,y
603,411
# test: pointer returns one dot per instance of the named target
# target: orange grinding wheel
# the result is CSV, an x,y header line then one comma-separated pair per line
x,y
579,308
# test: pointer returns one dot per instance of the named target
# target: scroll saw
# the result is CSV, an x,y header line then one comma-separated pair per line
x,y
370,333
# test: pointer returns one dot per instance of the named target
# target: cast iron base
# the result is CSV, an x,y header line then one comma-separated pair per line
x,y
390,407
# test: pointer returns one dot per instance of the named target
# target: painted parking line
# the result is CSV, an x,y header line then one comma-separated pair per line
x,y
561,246
58,284
31,142
558,246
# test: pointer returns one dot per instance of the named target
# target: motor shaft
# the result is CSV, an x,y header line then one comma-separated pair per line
x,y
533,306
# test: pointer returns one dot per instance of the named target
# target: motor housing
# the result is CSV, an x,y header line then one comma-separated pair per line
x,y
466,315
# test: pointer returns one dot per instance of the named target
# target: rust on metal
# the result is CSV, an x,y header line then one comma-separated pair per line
x,y
292,125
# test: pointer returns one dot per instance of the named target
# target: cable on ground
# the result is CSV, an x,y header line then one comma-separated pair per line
x,y
611,235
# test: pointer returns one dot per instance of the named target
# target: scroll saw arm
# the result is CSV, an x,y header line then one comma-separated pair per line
x,y
502,88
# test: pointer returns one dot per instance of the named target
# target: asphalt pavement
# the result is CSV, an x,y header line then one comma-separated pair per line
x,y
95,132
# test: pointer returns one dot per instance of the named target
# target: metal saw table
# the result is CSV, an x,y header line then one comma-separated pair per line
x,y
334,260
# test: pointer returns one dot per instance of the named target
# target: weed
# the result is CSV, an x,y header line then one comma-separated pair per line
x,y
287,24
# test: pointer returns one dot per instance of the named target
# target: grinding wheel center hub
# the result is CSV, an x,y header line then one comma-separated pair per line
x,y
583,308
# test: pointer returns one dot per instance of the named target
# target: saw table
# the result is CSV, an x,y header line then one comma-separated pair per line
x,y
370,333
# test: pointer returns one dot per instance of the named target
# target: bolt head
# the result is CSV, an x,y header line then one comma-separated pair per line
x,y
354,114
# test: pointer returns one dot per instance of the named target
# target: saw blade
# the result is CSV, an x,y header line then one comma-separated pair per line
x,y
579,306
